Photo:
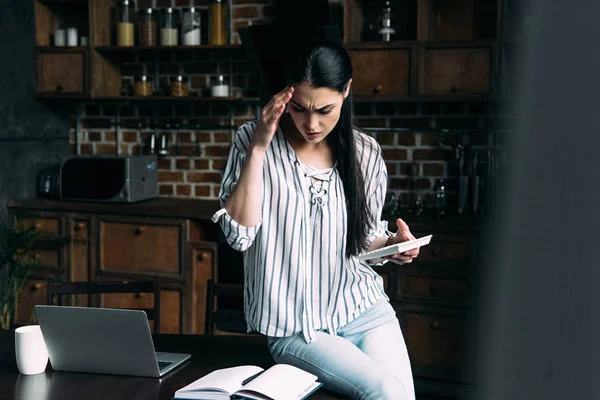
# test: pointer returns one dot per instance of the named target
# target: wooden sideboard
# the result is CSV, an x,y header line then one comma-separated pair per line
x,y
171,239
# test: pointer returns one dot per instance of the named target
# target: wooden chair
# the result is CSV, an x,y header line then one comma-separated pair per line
x,y
218,319
95,288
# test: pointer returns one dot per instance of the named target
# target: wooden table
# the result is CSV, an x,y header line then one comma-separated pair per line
x,y
208,353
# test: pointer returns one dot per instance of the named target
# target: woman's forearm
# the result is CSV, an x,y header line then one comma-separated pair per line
x,y
245,203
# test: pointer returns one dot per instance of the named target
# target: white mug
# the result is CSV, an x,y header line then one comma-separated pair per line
x,y
30,350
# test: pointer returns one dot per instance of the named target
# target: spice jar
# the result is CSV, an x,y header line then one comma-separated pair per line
x,y
168,27
220,89
125,27
147,31
218,22
180,87
143,86
190,26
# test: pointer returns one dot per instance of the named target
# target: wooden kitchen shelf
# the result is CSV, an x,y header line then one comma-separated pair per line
x,y
154,49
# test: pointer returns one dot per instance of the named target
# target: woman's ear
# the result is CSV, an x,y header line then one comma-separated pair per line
x,y
347,91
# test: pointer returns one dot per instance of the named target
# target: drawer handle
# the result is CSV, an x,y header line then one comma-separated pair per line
x,y
437,251
454,89
200,257
435,325
378,89
140,230
59,88
434,287
37,225
137,295
79,226
35,287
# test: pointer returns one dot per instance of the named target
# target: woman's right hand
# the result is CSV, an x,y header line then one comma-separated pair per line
x,y
269,120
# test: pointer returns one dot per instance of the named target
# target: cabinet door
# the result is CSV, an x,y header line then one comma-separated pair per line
x,y
381,74
439,342
203,268
61,73
455,71
141,246
34,292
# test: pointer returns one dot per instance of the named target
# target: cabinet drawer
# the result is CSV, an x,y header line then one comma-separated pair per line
x,y
170,309
426,286
61,72
133,247
445,248
48,226
455,71
437,343
382,72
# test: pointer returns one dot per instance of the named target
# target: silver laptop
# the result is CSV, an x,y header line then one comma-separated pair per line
x,y
104,341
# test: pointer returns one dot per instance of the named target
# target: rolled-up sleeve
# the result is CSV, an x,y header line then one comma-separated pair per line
x,y
375,201
238,236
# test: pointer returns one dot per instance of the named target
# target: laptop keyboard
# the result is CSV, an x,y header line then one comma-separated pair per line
x,y
163,364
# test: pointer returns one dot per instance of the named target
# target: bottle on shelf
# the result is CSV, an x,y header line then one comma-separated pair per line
x,y
125,24
190,27
147,27
218,22
169,32
386,30
220,89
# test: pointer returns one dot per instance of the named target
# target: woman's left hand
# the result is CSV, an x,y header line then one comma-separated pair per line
x,y
402,235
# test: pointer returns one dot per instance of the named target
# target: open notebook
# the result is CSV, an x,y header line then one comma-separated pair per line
x,y
280,382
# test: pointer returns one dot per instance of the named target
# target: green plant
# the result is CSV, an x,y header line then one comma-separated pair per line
x,y
17,262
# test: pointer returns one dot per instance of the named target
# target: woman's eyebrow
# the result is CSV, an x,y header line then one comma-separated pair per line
x,y
306,108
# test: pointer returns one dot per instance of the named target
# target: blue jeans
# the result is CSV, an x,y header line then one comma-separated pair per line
x,y
366,360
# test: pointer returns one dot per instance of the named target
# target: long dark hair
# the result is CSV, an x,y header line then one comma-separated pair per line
x,y
322,63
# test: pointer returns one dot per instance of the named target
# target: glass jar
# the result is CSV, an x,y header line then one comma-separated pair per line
x,y
386,30
218,22
190,27
125,26
143,86
147,31
179,87
168,27
220,88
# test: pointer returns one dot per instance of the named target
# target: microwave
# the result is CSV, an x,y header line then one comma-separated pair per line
x,y
110,179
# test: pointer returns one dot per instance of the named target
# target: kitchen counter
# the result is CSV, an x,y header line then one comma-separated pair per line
x,y
159,207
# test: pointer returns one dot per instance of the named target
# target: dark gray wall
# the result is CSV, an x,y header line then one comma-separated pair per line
x,y
32,135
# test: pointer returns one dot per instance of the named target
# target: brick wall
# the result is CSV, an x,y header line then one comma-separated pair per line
x,y
407,131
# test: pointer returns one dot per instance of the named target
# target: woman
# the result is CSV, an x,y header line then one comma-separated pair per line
x,y
302,196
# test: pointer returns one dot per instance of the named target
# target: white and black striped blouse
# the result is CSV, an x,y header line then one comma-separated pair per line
x,y
297,277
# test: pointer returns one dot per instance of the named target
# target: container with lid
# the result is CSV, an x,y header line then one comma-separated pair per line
x,y
218,22
169,31
143,86
190,27
125,25
220,89
179,87
147,27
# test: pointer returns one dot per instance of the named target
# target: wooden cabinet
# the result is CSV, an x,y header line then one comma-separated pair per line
x,y
61,72
382,73
171,239
455,71
435,299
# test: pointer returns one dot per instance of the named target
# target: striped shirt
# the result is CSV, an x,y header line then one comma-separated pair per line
x,y
296,275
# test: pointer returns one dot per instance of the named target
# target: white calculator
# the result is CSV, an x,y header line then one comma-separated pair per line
x,y
395,248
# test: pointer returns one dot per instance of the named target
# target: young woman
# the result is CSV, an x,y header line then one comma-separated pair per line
x,y
302,196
